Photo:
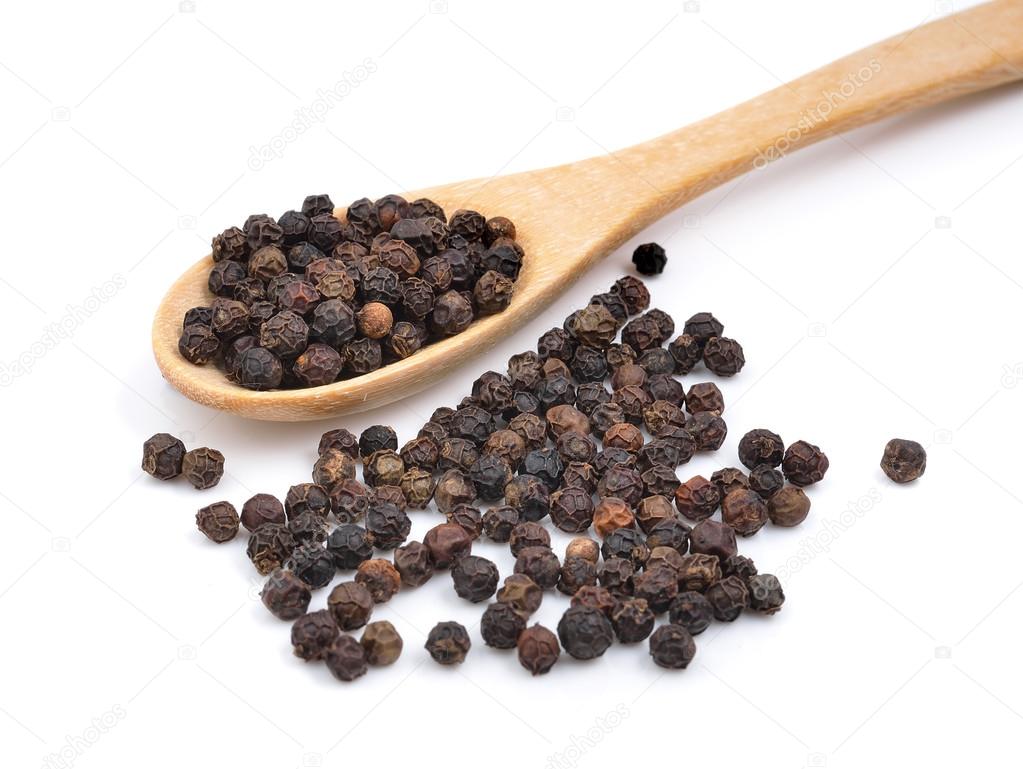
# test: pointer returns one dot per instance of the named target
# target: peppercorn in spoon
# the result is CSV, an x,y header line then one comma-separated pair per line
x,y
621,193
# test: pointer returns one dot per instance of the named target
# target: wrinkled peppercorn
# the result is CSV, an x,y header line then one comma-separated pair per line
x,y
285,595
386,525
623,482
270,546
332,468
585,632
346,659
615,574
576,572
448,643
727,598
723,356
649,259
672,646
162,456
571,509
521,593
761,447
652,510
379,577
713,538
312,634
498,522
698,571
745,511
804,464
729,479
381,643
740,566
697,498
540,564
766,480
447,543
708,430
788,507
765,593
475,578
313,564
529,495
692,611
528,534
658,586
351,604
219,521
634,292
350,545
903,460
203,467
612,513
538,649
633,620
626,543
501,626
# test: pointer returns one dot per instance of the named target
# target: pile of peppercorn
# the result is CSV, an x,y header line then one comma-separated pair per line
x,y
306,299
546,440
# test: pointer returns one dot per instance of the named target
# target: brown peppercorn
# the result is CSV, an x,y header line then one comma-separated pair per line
x,y
219,521
672,647
501,626
498,522
576,572
349,500
285,595
388,493
452,314
708,430
447,542
198,344
381,643
687,352
508,445
615,574
660,479
383,468
312,634
728,479
788,507
475,578
457,454
379,577
417,488
661,414
346,658
333,467
529,495
626,375
765,593
270,546
657,585
698,571
745,511
261,509
583,547
623,436
697,498
713,538
374,320
318,365
414,563
203,467
766,480
531,428
595,326
634,292
453,489
665,557
705,396
903,460
162,456
761,447
572,509
612,513
267,262
538,649
528,534
493,292
351,604
521,593
723,356
623,482
469,518
565,418
633,620
581,474
652,510
804,464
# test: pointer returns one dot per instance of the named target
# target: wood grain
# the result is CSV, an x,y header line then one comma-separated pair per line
x,y
569,216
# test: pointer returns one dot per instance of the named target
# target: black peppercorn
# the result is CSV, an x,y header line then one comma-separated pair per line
x,y
346,659
386,525
285,595
669,532
576,572
313,564
571,509
498,522
270,546
626,543
633,620
198,344
692,611
489,475
698,571
658,586
584,632
649,259
413,563
219,521
804,464
615,574
761,447
350,545
634,292
162,455
765,593
448,643
903,460
708,430
501,626
727,598
308,527
671,646
766,480
687,351
723,356
729,479
312,634
540,564
475,578
623,482
332,467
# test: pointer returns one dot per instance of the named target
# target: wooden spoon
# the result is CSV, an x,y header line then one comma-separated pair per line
x,y
611,198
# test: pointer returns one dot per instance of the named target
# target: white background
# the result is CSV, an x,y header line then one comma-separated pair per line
x,y
125,145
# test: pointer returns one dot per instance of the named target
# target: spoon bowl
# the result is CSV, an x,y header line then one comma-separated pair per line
x,y
569,216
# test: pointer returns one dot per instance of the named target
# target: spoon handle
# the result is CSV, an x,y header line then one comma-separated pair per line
x,y
958,54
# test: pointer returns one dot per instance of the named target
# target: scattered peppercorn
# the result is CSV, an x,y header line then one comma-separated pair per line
x,y
381,643
585,632
218,521
903,460
346,658
285,595
350,603
804,464
162,456
312,635
727,598
649,259
692,611
501,626
672,646
448,643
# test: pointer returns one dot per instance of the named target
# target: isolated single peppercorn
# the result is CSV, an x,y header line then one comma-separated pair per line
x,y
313,564
615,574
708,430
697,498
804,464
379,577
713,538
162,455
745,511
903,460
219,521
698,571
788,507
761,447
312,634
447,543
285,595
381,643
346,659
475,578
649,259
727,598
584,632
350,545
448,643
540,564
